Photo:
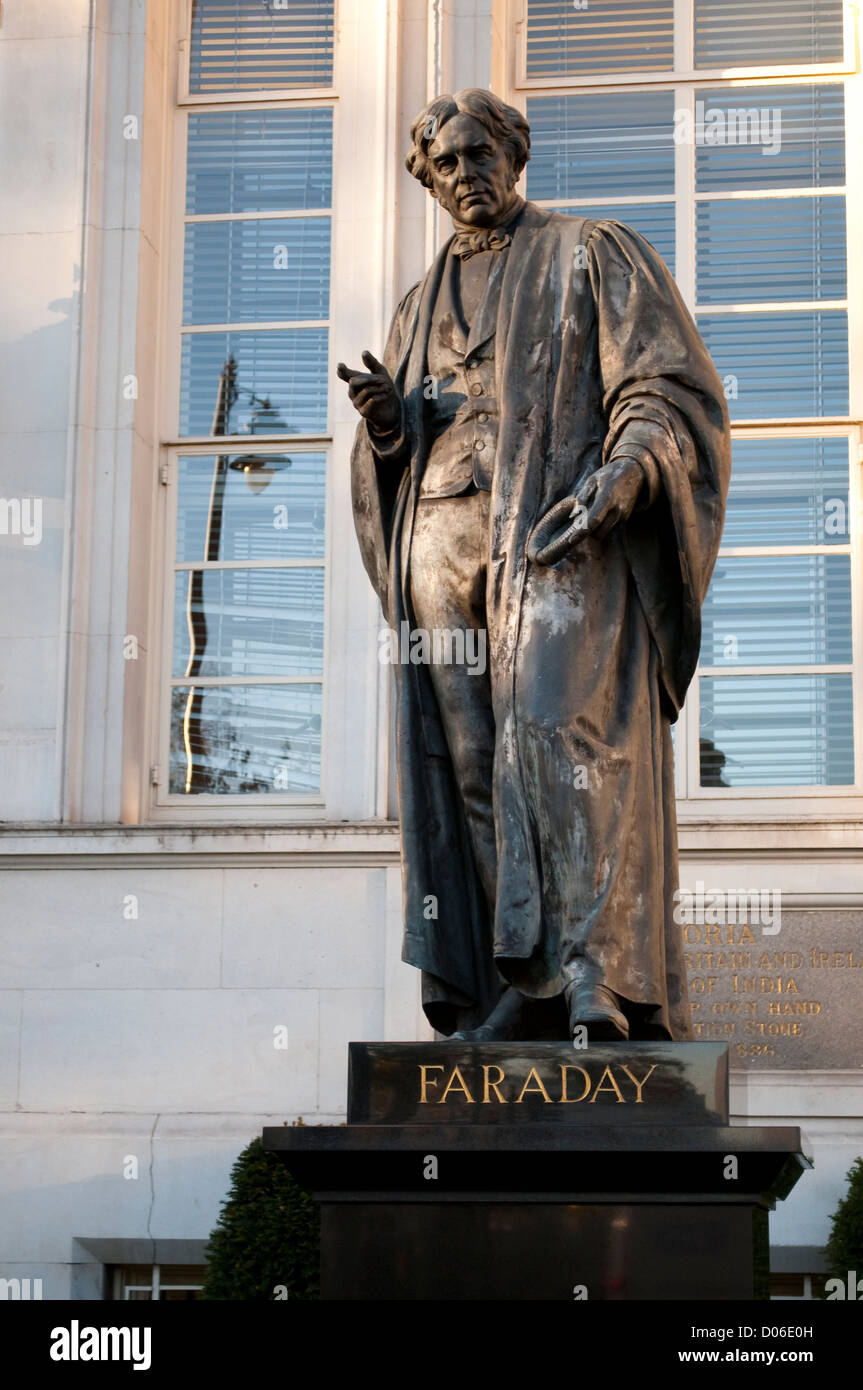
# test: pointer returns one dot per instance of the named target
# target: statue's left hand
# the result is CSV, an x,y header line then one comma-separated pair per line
x,y
610,495
605,499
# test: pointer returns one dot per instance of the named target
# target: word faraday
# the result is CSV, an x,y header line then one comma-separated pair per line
x,y
77,1343
560,1085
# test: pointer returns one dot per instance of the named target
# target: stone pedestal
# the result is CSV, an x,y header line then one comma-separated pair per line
x,y
535,1171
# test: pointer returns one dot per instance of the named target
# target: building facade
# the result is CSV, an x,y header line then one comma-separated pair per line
x,y
205,208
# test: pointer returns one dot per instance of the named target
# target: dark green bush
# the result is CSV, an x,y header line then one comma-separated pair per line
x,y
844,1249
267,1238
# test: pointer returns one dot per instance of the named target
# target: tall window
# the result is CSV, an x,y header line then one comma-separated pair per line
x,y
246,464
723,143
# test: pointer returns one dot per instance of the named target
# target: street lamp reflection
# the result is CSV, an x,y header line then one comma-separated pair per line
x,y
258,470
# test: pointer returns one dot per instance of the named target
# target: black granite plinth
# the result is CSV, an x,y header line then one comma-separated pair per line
x,y
549,1083
539,1162
621,1179
508,1251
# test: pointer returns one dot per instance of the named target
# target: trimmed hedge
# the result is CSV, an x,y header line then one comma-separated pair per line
x,y
844,1249
266,1243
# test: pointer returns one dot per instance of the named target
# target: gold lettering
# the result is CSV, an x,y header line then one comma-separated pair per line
x,y
537,1089
452,1086
424,1081
772,1029
612,1087
802,1006
572,1100
489,1085
638,1084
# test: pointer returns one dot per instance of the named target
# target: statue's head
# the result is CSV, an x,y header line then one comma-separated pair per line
x,y
469,150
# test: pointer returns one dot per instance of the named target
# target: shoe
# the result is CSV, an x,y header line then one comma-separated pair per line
x,y
502,1025
599,1010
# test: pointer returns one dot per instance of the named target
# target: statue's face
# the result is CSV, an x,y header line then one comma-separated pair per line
x,y
471,174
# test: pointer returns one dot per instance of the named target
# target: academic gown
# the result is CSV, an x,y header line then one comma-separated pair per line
x,y
596,356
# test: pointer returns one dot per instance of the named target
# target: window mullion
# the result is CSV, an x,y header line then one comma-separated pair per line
x,y
855,526
684,190
684,268
684,36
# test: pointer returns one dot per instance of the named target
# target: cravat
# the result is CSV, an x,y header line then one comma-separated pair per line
x,y
467,244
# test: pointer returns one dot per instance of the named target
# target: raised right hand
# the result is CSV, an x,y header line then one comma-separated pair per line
x,y
373,394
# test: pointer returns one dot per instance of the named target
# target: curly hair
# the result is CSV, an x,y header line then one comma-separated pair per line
x,y
503,122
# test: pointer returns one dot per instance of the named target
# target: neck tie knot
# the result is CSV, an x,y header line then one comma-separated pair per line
x,y
467,244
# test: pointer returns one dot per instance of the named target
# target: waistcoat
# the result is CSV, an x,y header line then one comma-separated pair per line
x,y
462,411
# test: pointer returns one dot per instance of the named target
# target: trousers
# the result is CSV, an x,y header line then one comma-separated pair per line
x,y
447,589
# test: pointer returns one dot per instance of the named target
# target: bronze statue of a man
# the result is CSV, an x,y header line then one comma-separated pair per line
x,y
542,462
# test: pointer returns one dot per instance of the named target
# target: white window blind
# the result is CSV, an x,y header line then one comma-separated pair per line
x,y
253,45
743,190
245,600
599,36
749,33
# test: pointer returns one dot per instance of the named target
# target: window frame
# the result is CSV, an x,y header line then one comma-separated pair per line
x,y
308,800
186,97
121,1289
688,771
685,82
355,751
174,446
684,69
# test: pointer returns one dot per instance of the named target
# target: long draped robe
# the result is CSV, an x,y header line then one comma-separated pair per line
x,y
596,356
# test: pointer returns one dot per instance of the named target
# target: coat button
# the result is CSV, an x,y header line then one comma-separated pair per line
x,y
479,446
476,389
482,417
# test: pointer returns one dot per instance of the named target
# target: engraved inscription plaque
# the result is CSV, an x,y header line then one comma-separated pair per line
x,y
781,1002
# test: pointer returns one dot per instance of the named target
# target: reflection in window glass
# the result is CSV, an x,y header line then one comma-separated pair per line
x,y
249,622
248,619
286,367
776,731
245,739
263,506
